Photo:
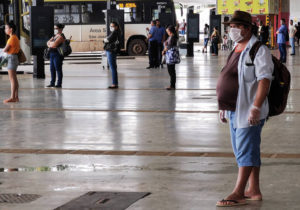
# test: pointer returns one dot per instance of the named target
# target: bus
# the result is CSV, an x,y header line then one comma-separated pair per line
x,y
85,21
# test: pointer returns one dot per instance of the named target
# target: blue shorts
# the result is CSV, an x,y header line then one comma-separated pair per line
x,y
246,143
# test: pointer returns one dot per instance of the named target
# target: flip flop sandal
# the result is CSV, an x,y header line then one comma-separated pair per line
x,y
231,203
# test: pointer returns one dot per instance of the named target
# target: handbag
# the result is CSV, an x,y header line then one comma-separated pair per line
x,y
47,54
173,56
21,56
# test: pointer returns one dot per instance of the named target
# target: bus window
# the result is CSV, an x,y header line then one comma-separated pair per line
x,y
93,13
133,12
67,14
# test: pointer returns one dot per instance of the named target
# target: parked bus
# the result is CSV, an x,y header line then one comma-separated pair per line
x,y
85,21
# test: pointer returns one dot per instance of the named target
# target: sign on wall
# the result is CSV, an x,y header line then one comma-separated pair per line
x,y
254,7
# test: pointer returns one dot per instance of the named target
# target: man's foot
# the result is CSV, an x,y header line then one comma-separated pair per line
x,y
293,54
150,67
11,100
170,88
58,86
162,66
113,87
50,86
253,196
232,200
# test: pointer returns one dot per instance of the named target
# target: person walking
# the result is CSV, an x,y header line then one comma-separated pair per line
x,y
282,33
292,33
242,91
263,32
215,40
12,49
206,38
152,43
171,47
182,27
160,38
112,47
56,60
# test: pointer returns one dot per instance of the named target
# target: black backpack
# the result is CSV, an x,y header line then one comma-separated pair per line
x,y
65,48
280,86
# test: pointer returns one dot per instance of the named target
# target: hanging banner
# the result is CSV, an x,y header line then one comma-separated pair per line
x,y
255,7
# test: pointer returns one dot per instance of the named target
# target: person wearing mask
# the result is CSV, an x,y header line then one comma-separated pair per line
x,y
281,40
12,49
160,38
206,38
292,33
56,60
263,32
152,43
169,44
215,39
112,47
242,91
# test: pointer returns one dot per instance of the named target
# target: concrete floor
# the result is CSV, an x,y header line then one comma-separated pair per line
x,y
173,144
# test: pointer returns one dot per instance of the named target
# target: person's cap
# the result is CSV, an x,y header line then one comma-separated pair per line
x,y
240,17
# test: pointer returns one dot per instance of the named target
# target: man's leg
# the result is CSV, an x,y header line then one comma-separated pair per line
x,y
292,43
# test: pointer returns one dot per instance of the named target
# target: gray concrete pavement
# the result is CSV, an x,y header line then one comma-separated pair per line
x,y
140,116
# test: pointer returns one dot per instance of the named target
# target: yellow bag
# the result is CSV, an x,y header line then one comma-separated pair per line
x,y
21,56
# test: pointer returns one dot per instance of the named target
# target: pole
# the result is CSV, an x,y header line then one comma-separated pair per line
x,y
17,16
38,60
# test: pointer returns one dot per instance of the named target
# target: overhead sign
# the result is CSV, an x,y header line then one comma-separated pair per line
x,y
254,7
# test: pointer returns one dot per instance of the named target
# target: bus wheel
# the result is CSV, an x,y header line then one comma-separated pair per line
x,y
137,47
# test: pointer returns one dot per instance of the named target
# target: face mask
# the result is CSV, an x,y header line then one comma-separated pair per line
x,y
112,29
55,31
235,34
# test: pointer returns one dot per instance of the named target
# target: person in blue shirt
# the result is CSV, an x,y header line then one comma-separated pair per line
x,y
282,33
160,38
152,49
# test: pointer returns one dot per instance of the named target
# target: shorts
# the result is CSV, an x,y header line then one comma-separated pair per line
x,y
12,62
246,143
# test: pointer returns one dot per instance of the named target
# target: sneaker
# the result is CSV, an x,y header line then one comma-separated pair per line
x,y
50,86
150,67
58,86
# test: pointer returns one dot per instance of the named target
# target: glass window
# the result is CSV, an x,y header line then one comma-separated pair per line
x,y
133,12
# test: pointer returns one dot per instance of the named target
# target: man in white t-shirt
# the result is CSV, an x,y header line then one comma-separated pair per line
x,y
292,33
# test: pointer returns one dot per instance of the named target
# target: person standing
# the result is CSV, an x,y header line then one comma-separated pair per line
x,y
112,47
298,33
12,49
263,32
282,33
182,27
215,39
152,43
242,91
292,33
171,44
56,60
206,38
160,37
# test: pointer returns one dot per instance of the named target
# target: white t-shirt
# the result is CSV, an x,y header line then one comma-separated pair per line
x,y
292,31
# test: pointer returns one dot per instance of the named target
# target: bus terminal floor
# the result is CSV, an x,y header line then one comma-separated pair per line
x,y
62,143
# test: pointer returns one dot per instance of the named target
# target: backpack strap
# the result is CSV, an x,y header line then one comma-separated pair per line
x,y
254,50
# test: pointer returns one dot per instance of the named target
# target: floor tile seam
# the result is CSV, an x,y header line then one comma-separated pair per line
x,y
123,110
142,153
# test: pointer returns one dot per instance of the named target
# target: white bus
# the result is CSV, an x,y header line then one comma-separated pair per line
x,y
85,22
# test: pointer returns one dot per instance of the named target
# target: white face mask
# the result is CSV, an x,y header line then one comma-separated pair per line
x,y
55,31
112,29
235,34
